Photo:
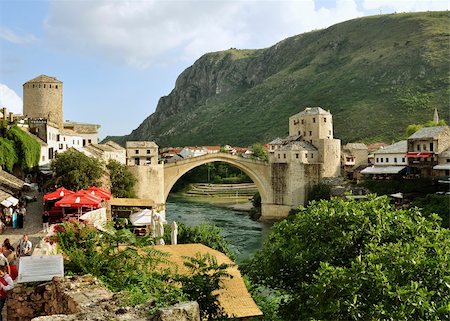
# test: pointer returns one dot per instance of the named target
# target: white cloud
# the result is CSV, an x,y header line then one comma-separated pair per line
x,y
13,37
10,100
407,5
144,33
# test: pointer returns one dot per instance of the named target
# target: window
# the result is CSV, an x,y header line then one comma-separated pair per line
x,y
403,159
431,147
84,142
377,160
299,132
58,137
33,86
64,138
303,121
314,119
424,147
329,132
44,85
148,160
296,155
310,133
136,151
89,141
395,159
312,155
387,160
448,160
148,151
304,133
418,147
136,161
324,119
61,146
284,155
278,156
50,86
56,86
381,159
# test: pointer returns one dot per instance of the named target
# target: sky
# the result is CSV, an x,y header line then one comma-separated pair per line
x,y
117,58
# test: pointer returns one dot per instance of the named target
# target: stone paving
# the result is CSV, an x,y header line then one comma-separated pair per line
x,y
32,224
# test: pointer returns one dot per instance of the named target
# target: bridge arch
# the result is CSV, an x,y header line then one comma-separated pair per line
x,y
258,171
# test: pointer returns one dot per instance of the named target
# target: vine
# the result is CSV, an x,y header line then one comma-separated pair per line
x,y
8,155
28,150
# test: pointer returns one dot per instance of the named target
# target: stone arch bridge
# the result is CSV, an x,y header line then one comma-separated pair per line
x,y
281,186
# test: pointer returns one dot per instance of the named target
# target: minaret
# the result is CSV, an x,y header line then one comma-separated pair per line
x,y
436,116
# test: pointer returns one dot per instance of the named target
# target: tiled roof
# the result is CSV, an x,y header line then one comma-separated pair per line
x,y
10,180
397,148
298,145
428,132
276,141
44,78
312,111
233,297
356,146
445,153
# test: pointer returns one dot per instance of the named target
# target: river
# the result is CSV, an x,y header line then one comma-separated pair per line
x,y
244,235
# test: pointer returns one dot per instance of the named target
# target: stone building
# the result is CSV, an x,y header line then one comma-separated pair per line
x,y
315,126
355,157
425,147
141,153
107,151
43,98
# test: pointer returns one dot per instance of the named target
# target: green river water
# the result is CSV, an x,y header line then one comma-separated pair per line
x,y
244,235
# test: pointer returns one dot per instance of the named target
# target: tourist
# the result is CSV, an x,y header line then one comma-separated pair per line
x,y
9,252
20,216
25,246
6,284
14,219
45,219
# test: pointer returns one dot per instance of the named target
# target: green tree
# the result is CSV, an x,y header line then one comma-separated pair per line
x,y
27,148
202,284
435,204
76,171
411,129
122,180
320,191
259,152
349,260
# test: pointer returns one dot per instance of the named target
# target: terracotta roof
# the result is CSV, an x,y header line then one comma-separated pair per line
x,y
234,297
44,78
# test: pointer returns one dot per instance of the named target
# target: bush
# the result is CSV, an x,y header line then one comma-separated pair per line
x,y
435,204
320,191
122,180
349,260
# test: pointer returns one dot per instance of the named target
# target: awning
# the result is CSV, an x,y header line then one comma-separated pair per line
x,y
10,201
383,170
418,154
442,166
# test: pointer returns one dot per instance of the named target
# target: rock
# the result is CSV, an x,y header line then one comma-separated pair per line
x,y
186,311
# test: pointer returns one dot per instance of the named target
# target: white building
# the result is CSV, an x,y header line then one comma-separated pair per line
x,y
107,151
390,160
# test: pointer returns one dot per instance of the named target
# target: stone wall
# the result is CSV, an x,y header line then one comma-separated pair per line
x,y
82,298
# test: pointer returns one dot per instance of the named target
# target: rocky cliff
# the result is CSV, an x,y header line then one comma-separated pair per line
x,y
375,74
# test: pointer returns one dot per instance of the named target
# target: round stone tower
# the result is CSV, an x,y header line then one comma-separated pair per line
x,y
43,98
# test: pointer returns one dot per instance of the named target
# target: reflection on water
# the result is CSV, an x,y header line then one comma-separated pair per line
x,y
244,235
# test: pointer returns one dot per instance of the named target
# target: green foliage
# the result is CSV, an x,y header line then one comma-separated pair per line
x,y
259,152
349,260
320,191
435,204
382,73
411,129
28,149
76,171
122,180
8,155
132,268
209,235
202,284
383,187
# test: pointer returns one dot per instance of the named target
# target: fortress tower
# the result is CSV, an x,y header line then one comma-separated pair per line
x,y
43,98
315,126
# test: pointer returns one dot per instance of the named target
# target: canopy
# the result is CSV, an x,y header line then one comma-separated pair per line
x,y
442,166
383,170
96,191
141,218
59,193
10,201
80,199
418,154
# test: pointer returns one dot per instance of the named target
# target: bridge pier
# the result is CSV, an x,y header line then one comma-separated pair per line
x,y
274,212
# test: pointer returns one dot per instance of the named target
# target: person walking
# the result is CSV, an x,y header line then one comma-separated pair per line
x,y
25,246
45,220
6,284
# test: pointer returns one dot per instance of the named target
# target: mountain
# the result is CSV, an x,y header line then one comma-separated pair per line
x,y
375,74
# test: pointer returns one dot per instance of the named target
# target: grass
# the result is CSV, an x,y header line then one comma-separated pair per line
x,y
375,74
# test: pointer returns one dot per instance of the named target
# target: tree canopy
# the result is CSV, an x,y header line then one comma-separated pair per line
x,y
349,260
122,180
76,171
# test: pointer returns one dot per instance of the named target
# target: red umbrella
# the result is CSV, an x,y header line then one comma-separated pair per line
x,y
96,191
80,199
59,193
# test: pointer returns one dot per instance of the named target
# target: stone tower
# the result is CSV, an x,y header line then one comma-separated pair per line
x,y
315,126
43,98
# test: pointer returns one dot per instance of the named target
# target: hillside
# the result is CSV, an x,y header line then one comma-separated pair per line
x,y
375,74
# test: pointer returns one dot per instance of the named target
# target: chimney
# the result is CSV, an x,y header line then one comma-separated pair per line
x,y
4,112
11,117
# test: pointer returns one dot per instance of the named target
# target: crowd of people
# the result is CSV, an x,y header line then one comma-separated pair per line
x,y
9,271
13,216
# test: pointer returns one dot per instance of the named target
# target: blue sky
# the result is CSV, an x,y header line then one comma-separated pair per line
x,y
117,58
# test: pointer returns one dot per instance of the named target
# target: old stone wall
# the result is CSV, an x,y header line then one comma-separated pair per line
x,y
82,298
